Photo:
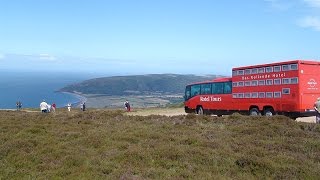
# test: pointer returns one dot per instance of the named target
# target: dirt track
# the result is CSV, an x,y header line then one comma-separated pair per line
x,y
311,119
180,111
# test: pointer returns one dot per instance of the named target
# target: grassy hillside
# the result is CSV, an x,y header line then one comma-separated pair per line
x,y
101,144
137,85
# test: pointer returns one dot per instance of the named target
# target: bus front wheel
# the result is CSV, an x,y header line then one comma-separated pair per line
x,y
200,110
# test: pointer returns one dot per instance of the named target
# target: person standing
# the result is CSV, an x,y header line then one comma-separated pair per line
x,y
44,106
69,106
127,105
53,107
83,106
317,108
19,105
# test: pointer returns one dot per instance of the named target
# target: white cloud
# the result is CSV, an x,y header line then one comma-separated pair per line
x,y
310,22
281,5
310,8
313,3
47,57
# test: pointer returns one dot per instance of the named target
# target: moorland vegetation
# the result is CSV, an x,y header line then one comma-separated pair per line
x,y
109,144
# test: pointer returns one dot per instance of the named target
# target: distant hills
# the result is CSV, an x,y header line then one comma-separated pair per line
x,y
150,84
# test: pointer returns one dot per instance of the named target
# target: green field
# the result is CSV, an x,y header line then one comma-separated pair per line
x,y
109,144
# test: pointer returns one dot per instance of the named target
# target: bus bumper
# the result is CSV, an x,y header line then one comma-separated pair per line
x,y
187,110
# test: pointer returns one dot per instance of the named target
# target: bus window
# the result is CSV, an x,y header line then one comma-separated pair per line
x,y
227,87
261,70
195,90
187,93
205,88
269,69
217,88
293,66
276,68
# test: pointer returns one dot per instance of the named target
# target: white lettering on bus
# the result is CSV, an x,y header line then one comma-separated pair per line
x,y
215,98
312,83
263,76
209,98
204,98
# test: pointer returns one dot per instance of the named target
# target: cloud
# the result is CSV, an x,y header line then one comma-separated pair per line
x,y
310,22
310,19
47,57
313,3
280,5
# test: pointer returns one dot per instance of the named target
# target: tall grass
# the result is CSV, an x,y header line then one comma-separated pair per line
x,y
101,144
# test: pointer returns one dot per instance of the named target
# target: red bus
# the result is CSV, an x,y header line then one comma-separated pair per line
x,y
286,88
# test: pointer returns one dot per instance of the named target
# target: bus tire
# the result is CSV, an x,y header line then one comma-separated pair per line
x,y
268,112
254,112
293,117
200,110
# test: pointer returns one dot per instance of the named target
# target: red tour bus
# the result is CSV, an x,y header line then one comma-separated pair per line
x,y
288,88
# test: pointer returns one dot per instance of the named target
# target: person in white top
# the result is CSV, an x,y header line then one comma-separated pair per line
x,y
44,106
69,107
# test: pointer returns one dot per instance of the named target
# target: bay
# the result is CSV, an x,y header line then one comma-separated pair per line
x,y
32,87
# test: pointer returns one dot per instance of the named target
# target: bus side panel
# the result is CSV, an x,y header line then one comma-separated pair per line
x,y
290,98
309,85
211,102
218,102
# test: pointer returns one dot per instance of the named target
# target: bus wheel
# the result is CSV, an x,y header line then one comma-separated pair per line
x,y
254,112
268,112
293,117
200,110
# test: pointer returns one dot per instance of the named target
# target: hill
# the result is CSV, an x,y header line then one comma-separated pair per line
x,y
105,144
136,85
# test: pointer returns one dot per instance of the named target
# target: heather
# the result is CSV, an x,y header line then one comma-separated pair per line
x,y
109,144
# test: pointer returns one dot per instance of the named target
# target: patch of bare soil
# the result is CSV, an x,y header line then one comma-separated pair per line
x,y
158,111
311,119
180,111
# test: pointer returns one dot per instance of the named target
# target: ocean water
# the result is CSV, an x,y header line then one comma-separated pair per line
x,y
31,88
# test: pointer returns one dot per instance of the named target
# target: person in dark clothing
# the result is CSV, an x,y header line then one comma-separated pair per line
x,y
83,106
127,105
19,105
317,108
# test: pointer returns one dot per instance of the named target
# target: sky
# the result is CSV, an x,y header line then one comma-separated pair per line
x,y
122,37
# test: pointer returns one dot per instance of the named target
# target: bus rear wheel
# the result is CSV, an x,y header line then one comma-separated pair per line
x,y
268,112
254,112
200,110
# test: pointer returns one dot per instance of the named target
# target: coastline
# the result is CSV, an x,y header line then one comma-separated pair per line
x,y
81,98
112,102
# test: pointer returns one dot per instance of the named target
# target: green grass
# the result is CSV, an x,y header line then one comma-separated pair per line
x,y
101,144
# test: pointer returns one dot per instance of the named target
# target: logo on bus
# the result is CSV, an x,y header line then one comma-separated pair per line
x,y
209,98
312,83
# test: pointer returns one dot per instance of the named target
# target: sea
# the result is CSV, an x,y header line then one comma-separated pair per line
x,y
31,88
